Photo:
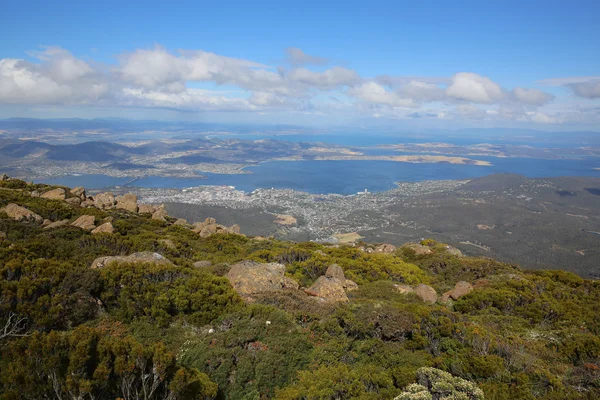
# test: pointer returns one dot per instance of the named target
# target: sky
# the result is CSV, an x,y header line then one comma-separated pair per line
x,y
398,63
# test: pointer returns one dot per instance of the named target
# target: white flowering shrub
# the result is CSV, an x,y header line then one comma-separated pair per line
x,y
435,384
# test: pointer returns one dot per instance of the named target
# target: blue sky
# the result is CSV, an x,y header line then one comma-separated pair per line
x,y
450,63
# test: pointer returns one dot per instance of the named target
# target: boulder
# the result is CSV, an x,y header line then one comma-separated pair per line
x,y
46,222
419,249
454,251
180,222
160,214
74,201
146,208
141,257
55,194
127,202
86,222
461,289
404,289
385,248
106,227
4,177
426,293
57,224
289,283
104,201
87,203
335,271
328,289
202,264
350,285
19,213
251,277
78,191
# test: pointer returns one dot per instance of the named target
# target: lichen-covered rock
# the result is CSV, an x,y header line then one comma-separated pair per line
x,y
328,289
350,285
55,194
210,227
335,271
146,208
404,289
385,248
251,277
78,191
104,201
426,293
127,202
419,249
74,201
453,251
19,213
87,222
461,289
141,257
106,227
202,264
87,203
57,224
180,222
160,214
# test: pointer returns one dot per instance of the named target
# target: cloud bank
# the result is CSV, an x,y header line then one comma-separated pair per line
x,y
202,81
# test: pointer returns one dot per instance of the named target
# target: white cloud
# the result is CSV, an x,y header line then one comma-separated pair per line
x,y
297,57
472,87
336,76
374,93
588,90
532,96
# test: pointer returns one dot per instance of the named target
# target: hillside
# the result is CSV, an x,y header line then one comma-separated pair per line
x,y
103,298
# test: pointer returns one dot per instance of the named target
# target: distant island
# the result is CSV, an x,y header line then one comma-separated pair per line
x,y
420,159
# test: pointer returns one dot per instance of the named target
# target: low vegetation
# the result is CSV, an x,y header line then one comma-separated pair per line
x,y
162,331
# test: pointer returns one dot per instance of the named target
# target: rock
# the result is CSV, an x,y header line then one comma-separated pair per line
x,y
419,249
86,222
180,222
87,203
481,283
160,214
19,213
461,289
335,271
454,251
426,293
106,227
141,257
74,201
78,191
34,193
104,201
168,243
385,248
328,289
46,222
250,277
146,208
210,227
202,264
234,229
350,285
289,283
404,289
55,194
57,224
127,202
210,230
4,177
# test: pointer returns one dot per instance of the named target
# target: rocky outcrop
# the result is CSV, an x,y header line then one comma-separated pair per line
x,y
74,201
210,227
335,271
57,224
453,251
461,289
55,194
180,222
385,248
141,257
127,202
87,203
86,222
106,227
328,289
426,293
419,249
251,277
19,213
160,214
350,285
104,201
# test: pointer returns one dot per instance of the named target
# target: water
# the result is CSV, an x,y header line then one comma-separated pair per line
x,y
348,177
